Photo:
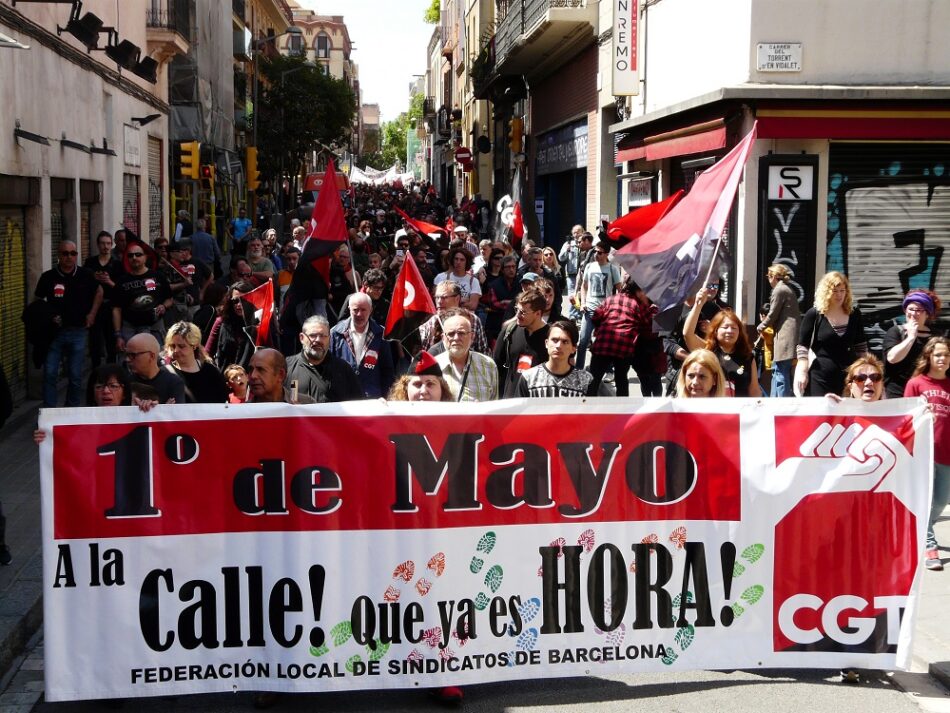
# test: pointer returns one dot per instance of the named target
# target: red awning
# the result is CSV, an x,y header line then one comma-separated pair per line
x,y
854,127
698,138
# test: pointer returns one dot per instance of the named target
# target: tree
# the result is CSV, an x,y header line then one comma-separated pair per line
x,y
300,108
393,137
432,14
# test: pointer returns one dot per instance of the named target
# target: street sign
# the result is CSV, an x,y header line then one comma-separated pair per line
x,y
791,183
463,155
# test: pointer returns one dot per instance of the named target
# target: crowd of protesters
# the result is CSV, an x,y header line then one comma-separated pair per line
x,y
513,319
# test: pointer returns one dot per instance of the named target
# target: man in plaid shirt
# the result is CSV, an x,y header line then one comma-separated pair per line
x,y
471,376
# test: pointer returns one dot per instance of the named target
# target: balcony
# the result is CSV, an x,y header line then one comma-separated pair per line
x,y
537,35
168,28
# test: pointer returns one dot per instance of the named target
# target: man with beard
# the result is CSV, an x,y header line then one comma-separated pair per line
x,y
317,373
141,299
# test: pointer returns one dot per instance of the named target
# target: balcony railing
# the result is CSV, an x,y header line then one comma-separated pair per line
x,y
174,15
525,17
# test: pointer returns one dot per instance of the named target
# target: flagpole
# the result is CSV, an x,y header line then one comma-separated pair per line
x,y
712,263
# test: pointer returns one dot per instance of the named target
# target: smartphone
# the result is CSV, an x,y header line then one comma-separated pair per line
x,y
400,253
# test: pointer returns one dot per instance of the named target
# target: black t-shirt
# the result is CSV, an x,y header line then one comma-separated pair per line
x,y
205,386
114,268
139,295
199,274
70,295
518,352
897,375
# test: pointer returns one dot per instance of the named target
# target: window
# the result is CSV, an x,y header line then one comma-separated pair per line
x,y
323,46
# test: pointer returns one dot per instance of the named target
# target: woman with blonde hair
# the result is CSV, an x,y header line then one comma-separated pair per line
x,y
549,260
784,317
701,376
831,337
185,357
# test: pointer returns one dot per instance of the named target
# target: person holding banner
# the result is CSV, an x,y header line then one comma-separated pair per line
x,y
701,376
424,382
930,380
727,339
833,331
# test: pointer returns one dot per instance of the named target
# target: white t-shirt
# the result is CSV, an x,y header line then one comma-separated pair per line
x,y
600,281
468,283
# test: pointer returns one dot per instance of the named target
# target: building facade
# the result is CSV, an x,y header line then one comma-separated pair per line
x,y
86,144
850,169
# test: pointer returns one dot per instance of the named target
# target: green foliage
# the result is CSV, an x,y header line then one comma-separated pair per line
x,y
432,14
393,137
307,109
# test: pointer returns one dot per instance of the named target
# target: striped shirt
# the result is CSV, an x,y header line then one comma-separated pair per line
x,y
477,382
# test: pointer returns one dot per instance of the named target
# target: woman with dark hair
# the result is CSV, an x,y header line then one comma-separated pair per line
x,y
205,315
727,339
458,270
930,380
233,335
904,343
833,331
109,385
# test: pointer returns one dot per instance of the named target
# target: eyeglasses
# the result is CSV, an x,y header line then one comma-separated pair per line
x,y
315,337
129,356
458,334
916,310
235,300
112,386
245,274
442,298
136,254
861,378
70,253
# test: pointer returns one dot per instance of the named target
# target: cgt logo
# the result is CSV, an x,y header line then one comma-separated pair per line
x,y
848,620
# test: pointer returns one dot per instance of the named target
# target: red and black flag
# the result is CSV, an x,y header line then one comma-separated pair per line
x,y
263,300
411,305
152,258
638,221
673,258
420,226
326,230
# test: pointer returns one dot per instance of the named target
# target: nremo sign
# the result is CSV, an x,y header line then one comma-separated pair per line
x,y
624,59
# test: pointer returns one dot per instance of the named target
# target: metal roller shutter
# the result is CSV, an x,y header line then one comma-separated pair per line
x,y
889,225
155,189
13,298
131,206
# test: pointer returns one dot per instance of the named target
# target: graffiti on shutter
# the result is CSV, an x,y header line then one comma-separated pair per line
x,y
13,299
155,191
130,202
889,225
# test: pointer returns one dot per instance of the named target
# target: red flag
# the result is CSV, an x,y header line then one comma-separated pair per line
x,y
326,230
638,221
671,259
411,304
263,300
420,226
517,221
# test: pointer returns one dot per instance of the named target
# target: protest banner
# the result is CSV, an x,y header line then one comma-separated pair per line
x,y
262,547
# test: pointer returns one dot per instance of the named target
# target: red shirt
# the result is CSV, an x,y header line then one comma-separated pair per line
x,y
937,392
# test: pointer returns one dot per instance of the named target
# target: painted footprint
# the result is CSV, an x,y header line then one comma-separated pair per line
x,y
403,575
493,577
685,635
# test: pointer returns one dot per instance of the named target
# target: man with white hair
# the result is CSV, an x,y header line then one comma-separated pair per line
x,y
471,376
358,341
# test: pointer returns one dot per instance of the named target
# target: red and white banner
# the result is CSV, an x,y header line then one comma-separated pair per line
x,y
261,547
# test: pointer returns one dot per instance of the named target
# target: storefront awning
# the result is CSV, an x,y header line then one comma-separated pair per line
x,y
884,124
697,138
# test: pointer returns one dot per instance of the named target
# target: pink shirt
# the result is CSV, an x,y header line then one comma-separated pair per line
x,y
937,392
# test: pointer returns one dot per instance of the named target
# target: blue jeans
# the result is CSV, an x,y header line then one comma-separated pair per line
x,y
69,343
572,312
781,378
587,331
941,495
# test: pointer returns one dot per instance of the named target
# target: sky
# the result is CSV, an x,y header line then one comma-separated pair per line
x,y
390,42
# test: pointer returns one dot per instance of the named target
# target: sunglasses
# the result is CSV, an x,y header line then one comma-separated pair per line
x,y
70,253
235,300
136,254
245,274
861,378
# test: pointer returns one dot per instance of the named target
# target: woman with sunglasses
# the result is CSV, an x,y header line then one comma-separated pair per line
x,y
830,338
187,358
904,343
930,380
233,335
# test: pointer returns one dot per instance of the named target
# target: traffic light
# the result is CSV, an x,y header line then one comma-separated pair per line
x,y
516,135
253,175
190,159
207,177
